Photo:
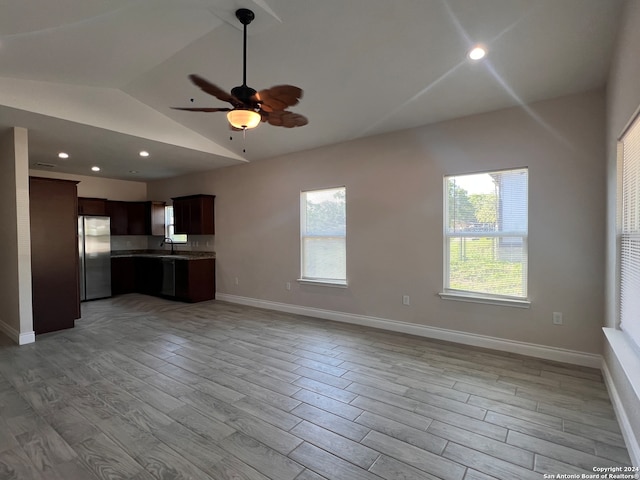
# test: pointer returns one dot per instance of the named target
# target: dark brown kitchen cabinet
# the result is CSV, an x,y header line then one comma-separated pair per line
x,y
194,214
148,275
123,275
53,209
155,216
136,218
92,206
195,280
119,214
189,280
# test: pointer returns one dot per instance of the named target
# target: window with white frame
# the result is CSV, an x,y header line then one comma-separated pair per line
x,y
323,230
169,229
485,234
629,231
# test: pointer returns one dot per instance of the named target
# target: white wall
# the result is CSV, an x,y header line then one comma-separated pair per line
x,y
16,316
394,221
98,187
622,363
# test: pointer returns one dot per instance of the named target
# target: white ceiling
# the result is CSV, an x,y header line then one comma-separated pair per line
x,y
97,79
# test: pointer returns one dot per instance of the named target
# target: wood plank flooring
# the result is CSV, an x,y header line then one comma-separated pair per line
x,y
145,388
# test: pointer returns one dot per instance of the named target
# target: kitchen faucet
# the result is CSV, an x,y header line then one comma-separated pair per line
x,y
167,240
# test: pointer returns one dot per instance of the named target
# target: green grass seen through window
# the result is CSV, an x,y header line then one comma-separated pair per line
x,y
486,265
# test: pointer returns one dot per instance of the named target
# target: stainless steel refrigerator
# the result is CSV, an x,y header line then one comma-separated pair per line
x,y
94,246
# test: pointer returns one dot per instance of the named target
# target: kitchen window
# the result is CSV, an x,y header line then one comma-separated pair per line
x,y
323,230
169,229
485,237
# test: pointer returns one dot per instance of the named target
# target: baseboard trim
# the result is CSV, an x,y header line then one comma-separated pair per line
x,y
533,350
631,441
25,338
19,338
629,362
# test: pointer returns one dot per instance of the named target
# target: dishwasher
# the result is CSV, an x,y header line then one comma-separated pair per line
x,y
168,277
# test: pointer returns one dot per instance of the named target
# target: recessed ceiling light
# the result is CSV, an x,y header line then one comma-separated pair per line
x,y
144,153
95,169
63,155
476,53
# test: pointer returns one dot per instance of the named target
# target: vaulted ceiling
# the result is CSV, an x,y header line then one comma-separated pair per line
x,y
97,78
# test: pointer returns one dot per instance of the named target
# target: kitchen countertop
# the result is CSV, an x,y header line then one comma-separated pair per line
x,y
178,255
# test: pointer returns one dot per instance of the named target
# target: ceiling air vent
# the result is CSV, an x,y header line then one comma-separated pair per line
x,y
46,165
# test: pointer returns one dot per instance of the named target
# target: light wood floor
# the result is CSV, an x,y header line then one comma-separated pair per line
x,y
145,388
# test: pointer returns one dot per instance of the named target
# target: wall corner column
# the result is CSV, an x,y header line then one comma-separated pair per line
x,y
16,318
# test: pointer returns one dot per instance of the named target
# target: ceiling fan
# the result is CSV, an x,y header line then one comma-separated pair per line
x,y
251,107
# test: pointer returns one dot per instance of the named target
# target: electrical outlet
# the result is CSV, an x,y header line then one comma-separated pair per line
x,y
237,282
287,285
406,300
557,318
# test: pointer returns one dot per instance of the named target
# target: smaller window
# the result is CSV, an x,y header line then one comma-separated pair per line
x,y
323,230
169,230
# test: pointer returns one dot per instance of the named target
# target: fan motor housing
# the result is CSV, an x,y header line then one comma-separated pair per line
x,y
243,93
245,16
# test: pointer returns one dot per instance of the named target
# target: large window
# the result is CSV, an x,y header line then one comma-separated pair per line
x,y
485,234
323,230
629,230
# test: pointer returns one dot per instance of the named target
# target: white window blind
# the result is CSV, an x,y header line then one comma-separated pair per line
x,y
629,232
486,229
323,235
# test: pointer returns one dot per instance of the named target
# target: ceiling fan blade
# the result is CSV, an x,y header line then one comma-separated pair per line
x,y
196,109
284,118
214,90
278,98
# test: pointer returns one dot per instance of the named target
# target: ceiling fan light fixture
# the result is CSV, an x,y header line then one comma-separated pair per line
x,y
251,107
243,119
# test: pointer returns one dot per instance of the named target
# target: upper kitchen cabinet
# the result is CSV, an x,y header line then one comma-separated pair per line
x,y
194,214
53,209
154,216
136,218
119,213
92,206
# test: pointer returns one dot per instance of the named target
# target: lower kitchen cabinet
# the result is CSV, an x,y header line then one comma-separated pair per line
x,y
195,280
192,280
123,275
148,275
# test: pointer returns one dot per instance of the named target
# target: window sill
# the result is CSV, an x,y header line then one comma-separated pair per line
x,y
504,302
323,283
627,355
